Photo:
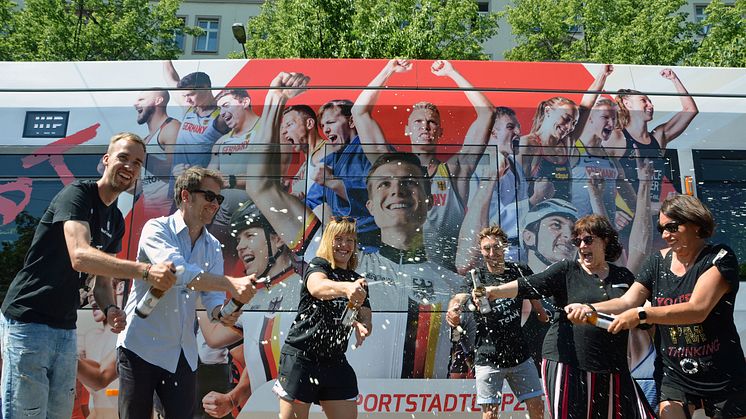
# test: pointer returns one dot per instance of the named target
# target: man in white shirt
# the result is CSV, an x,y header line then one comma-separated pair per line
x,y
158,353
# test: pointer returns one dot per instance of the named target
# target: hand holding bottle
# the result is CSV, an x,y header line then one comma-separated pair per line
x,y
162,275
146,305
479,292
242,288
355,292
234,305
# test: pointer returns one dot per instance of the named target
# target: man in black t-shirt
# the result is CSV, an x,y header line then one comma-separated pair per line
x,y
77,236
500,351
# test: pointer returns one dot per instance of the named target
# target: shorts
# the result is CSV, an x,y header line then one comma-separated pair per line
x,y
523,380
312,381
723,406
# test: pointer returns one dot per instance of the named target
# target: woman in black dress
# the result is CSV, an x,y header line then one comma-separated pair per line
x,y
313,367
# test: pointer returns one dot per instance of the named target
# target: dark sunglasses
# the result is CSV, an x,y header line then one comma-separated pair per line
x,y
671,227
588,240
342,218
210,196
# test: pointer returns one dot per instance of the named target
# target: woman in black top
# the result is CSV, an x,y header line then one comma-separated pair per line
x,y
313,366
692,286
584,368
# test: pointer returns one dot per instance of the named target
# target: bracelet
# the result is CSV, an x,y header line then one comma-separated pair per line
x,y
234,405
146,272
591,307
106,309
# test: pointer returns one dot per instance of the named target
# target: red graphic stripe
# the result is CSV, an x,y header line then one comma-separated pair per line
x,y
421,341
265,348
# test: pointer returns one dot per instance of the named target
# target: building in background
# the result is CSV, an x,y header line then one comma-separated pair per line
x,y
217,16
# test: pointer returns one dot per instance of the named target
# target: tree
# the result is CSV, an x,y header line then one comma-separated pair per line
x,y
621,31
724,42
13,253
427,29
92,30
6,15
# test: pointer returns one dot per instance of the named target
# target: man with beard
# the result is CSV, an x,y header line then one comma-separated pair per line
x,y
76,237
402,279
162,131
265,324
501,352
451,177
157,353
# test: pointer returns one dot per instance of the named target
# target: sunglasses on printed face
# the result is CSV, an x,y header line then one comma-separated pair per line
x,y
671,227
588,240
210,196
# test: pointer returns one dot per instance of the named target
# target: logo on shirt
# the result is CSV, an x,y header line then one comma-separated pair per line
x,y
106,233
190,127
423,288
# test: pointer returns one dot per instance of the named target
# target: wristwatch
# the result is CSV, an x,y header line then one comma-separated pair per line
x,y
642,315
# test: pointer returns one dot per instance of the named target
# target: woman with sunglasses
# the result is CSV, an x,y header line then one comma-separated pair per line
x,y
313,367
584,368
692,286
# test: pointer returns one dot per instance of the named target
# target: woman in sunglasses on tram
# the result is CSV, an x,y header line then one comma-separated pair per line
x,y
584,368
333,303
692,286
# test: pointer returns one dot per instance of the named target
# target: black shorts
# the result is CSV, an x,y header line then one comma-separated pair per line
x,y
313,380
721,407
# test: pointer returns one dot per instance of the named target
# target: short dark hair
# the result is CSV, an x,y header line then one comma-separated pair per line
x,y
689,209
236,93
599,226
344,106
493,231
194,80
305,110
191,178
401,157
504,111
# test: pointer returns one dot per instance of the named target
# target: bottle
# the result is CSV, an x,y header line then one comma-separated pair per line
x,y
234,305
148,303
456,333
601,320
350,315
480,292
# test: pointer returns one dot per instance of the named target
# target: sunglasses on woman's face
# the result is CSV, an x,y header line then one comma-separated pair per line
x,y
342,218
588,240
211,196
671,227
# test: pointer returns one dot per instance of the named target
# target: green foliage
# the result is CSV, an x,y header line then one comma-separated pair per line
x,y
6,26
93,30
621,31
446,29
724,42
12,254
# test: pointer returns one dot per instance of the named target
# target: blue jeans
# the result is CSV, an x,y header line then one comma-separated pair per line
x,y
39,368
